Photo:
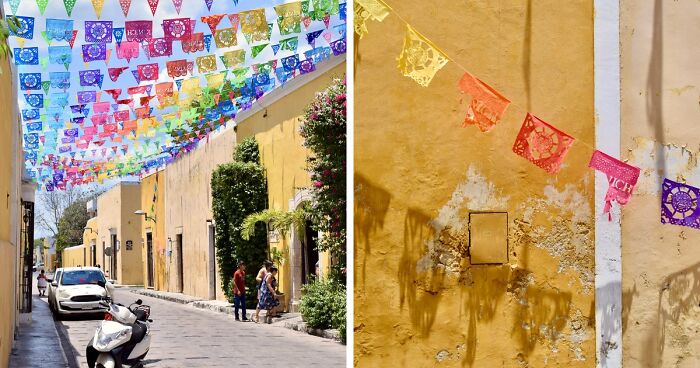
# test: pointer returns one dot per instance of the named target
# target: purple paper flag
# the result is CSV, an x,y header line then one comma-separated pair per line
x,y
679,204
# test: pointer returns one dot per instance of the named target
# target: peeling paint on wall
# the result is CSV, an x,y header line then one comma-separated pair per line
x,y
658,160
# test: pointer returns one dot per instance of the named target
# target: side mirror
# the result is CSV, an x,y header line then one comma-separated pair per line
x,y
54,283
139,302
101,283
49,280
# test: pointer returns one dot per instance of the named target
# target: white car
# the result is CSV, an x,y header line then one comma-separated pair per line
x,y
76,291
53,285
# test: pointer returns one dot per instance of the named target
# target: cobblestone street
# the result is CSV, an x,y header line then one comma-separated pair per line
x,y
183,336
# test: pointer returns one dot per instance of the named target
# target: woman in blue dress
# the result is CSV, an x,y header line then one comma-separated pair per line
x,y
268,297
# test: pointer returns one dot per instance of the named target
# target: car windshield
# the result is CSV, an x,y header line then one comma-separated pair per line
x,y
81,277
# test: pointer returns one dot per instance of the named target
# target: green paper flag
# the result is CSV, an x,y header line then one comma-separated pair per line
x,y
42,5
305,7
44,61
46,37
69,4
255,50
45,85
67,65
269,30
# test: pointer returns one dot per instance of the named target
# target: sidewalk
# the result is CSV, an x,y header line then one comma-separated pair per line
x,y
290,321
38,343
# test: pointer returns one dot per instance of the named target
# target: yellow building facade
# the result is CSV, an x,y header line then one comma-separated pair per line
x,y
660,78
10,212
183,200
119,233
467,255
75,256
153,231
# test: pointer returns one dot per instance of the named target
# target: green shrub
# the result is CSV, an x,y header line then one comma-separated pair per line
x,y
323,305
238,190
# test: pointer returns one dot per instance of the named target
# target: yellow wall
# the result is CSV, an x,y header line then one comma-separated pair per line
x,y
418,300
661,263
115,214
91,237
75,256
10,166
276,129
154,186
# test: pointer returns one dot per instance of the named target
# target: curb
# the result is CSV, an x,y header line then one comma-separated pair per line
x,y
287,320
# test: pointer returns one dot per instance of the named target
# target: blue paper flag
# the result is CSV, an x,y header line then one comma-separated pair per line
x,y
60,55
59,29
26,56
30,81
26,29
35,100
60,80
30,114
207,42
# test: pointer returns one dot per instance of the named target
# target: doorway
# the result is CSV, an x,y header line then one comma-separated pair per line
x,y
149,258
309,254
113,274
93,251
212,263
179,265
104,264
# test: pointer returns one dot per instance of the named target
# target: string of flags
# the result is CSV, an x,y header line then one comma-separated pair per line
x,y
81,127
539,142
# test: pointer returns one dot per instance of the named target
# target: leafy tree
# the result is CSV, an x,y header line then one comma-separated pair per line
x,y
238,190
71,226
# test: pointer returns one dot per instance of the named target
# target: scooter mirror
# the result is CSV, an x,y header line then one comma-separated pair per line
x,y
139,302
110,288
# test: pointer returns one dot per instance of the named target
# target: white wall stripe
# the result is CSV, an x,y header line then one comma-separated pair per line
x,y
608,265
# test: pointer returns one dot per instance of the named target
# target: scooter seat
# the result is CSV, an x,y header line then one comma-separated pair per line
x,y
140,315
138,332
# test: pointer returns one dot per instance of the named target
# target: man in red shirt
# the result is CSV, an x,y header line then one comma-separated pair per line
x,y
239,291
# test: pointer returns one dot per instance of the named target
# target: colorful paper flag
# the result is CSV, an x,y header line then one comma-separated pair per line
x,y
420,60
679,204
487,105
622,178
542,144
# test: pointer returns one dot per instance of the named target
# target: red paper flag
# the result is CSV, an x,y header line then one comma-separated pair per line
x,y
136,90
177,28
487,105
148,72
177,68
212,21
114,93
145,100
178,5
143,112
153,4
542,144
121,116
125,4
622,178
72,38
114,73
194,43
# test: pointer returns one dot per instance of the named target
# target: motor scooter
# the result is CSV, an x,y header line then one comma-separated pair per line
x,y
123,337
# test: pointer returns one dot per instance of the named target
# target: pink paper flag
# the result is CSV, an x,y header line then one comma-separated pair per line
x,y
234,21
153,4
327,36
622,178
178,6
125,4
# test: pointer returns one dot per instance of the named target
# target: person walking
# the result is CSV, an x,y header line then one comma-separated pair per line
x,y
42,283
268,296
239,291
259,279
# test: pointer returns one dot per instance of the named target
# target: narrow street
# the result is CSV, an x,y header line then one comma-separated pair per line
x,y
187,337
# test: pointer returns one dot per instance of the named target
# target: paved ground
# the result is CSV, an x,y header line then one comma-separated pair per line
x,y
184,336
37,344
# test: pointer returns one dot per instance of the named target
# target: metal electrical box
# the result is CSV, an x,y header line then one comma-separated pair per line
x,y
488,238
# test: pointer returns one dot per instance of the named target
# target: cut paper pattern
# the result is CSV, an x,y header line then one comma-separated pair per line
x,y
177,29
153,4
98,31
225,37
42,5
679,204
160,47
27,56
60,55
74,34
128,50
26,28
125,5
148,72
487,105
369,9
542,144
193,44
85,97
30,81
622,178
97,5
178,5
35,100
94,51
212,21
206,64
89,77
232,59
254,25
59,29
420,60
138,30
289,18
339,47
177,68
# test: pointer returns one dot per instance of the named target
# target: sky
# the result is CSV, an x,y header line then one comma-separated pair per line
x,y
139,10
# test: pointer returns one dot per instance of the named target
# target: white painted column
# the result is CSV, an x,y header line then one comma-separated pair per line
x,y
608,245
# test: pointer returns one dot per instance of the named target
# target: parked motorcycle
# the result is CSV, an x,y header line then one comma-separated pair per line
x,y
123,337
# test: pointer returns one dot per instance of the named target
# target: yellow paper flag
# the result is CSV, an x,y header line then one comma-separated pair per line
x,y
254,25
420,59
98,4
369,9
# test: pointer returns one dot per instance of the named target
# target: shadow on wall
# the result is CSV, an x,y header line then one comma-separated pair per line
x,y
654,91
610,324
679,296
371,206
539,313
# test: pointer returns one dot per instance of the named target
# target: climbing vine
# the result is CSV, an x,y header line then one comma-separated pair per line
x,y
324,133
239,189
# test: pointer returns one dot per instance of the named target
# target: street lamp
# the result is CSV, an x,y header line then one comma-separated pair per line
x,y
143,213
89,228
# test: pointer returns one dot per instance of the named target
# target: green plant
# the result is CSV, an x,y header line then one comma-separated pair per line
x,y
238,190
277,221
323,305
324,132
277,256
7,26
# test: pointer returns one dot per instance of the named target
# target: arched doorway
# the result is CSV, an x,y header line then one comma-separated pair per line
x,y
310,256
